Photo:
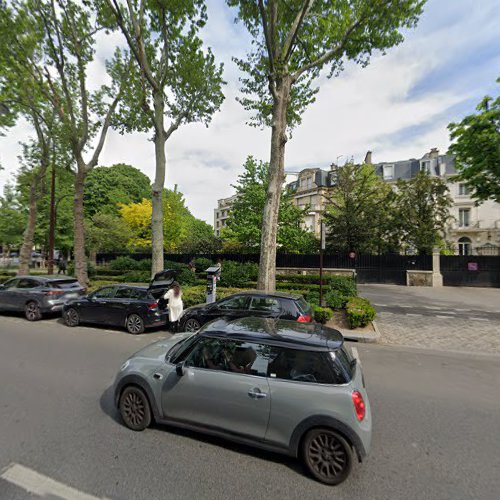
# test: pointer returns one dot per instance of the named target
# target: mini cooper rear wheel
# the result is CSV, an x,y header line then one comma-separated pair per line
x,y
71,317
134,324
327,456
192,325
135,409
32,311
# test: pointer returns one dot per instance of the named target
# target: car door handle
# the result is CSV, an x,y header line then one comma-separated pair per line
x,y
257,393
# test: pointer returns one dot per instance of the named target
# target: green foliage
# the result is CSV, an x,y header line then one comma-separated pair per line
x,y
202,263
91,269
198,237
335,299
135,277
193,296
359,312
12,219
245,218
237,274
106,233
423,212
300,38
124,263
360,211
322,314
345,285
477,149
106,187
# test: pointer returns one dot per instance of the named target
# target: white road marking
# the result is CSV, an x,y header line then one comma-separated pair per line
x,y
458,309
400,305
478,319
38,484
450,313
413,314
442,316
432,307
380,305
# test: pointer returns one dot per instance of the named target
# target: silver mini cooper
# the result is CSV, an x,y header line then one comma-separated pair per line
x,y
279,385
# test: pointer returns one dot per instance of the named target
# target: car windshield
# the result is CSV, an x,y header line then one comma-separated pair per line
x,y
304,307
177,351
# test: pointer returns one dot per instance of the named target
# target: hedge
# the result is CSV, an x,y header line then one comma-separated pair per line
x,y
322,314
359,312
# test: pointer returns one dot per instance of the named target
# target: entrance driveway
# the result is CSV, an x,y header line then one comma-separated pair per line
x,y
448,318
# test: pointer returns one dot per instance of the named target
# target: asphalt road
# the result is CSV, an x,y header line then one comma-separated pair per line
x,y
436,428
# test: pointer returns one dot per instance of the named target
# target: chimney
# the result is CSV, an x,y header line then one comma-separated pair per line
x,y
434,153
368,158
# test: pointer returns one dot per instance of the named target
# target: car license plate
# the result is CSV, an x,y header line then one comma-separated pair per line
x,y
71,295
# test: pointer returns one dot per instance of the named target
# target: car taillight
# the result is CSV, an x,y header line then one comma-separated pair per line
x,y
153,306
304,318
359,405
54,292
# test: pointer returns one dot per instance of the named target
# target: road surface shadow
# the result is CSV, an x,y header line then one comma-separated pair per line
x,y
96,326
107,406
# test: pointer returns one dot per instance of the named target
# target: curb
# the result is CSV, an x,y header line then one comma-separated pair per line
x,y
362,337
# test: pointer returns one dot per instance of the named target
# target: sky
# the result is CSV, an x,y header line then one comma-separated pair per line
x,y
398,107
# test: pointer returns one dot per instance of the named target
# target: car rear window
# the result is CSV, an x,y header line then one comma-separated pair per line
x,y
64,284
343,362
303,306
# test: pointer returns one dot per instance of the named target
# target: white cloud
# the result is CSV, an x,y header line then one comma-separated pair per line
x,y
398,106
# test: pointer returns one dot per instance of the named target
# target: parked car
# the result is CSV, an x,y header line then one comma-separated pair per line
x,y
240,305
279,385
133,307
36,295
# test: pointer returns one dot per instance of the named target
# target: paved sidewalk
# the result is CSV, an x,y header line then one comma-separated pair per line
x,y
457,319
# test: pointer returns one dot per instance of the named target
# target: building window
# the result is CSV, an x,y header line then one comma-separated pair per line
x,y
217,223
464,217
463,189
464,246
425,166
388,172
309,182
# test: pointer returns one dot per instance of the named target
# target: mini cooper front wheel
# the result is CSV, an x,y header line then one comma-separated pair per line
x,y
134,408
327,456
135,324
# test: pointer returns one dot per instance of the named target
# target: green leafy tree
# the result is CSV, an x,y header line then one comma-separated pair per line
x,y
360,211
244,224
65,47
12,220
476,148
106,187
198,237
423,211
292,41
174,76
106,233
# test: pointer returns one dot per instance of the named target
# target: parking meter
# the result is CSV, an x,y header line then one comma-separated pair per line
x,y
213,273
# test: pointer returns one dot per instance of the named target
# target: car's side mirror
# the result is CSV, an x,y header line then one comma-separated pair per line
x,y
179,369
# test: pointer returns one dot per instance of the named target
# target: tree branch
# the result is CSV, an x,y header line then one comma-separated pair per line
x,y
294,30
329,55
270,51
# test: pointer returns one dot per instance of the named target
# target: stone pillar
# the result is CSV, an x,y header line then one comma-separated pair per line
x,y
437,277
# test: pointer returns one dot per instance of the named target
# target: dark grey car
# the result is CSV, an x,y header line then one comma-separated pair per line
x,y
36,295
280,385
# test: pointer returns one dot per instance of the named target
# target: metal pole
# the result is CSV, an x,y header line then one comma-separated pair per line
x,y
52,222
322,246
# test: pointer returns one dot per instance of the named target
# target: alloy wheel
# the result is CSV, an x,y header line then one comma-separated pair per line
x,y
135,409
192,325
71,317
328,456
32,311
135,324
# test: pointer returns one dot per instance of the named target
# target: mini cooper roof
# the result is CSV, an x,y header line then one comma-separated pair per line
x,y
307,336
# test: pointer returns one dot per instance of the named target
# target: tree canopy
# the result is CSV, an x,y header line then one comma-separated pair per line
x,y
476,148
106,187
244,224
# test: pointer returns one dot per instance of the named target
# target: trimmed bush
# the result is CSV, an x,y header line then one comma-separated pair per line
x,y
343,285
186,277
144,265
135,277
322,314
359,312
237,274
91,270
202,264
192,296
124,263
336,300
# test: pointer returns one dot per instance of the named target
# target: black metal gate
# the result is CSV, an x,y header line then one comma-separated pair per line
x,y
470,270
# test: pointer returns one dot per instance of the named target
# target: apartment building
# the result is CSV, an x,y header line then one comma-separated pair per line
x,y
221,213
475,227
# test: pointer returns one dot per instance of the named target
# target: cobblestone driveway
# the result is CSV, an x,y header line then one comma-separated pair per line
x,y
464,319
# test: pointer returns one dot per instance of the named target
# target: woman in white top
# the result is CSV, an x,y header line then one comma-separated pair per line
x,y
175,306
